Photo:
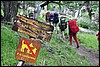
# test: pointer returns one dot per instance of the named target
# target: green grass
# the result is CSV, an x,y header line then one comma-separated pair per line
x,y
88,40
62,51
9,42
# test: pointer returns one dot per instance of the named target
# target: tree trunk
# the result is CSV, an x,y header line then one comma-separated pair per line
x,y
87,3
64,9
78,12
59,7
47,7
10,10
34,9
37,10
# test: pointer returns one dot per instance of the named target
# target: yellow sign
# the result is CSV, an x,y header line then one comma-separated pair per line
x,y
24,46
28,50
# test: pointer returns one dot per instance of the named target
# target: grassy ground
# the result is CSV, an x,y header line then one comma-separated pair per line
x,y
88,40
62,54
9,42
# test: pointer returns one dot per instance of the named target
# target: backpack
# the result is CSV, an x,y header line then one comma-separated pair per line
x,y
73,26
56,18
97,36
55,14
51,17
47,15
63,25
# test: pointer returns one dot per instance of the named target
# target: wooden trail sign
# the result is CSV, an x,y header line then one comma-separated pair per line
x,y
28,50
33,28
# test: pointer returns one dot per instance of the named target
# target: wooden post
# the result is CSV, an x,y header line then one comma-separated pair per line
x,y
20,63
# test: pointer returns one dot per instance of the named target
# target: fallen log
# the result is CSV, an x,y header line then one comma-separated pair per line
x,y
87,30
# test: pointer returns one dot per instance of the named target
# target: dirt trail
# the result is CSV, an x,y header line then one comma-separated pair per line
x,y
92,56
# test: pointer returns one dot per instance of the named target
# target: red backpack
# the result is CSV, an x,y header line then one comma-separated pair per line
x,y
97,36
73,26
47,15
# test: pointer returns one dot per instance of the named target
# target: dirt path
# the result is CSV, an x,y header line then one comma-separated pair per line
x,y
92,56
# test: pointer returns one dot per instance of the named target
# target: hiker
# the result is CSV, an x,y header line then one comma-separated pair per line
x,y
98,37
62,25
55,19
73,29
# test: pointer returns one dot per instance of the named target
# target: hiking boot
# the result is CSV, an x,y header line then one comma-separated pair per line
x,y
77,46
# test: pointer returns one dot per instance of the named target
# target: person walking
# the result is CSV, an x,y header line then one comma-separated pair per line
x,y
62,24
73,29
98,37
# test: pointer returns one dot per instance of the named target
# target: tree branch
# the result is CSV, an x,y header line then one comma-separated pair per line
x,y
47,2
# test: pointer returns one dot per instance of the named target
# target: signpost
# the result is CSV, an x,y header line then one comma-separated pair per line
x,y
28,49
33,28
